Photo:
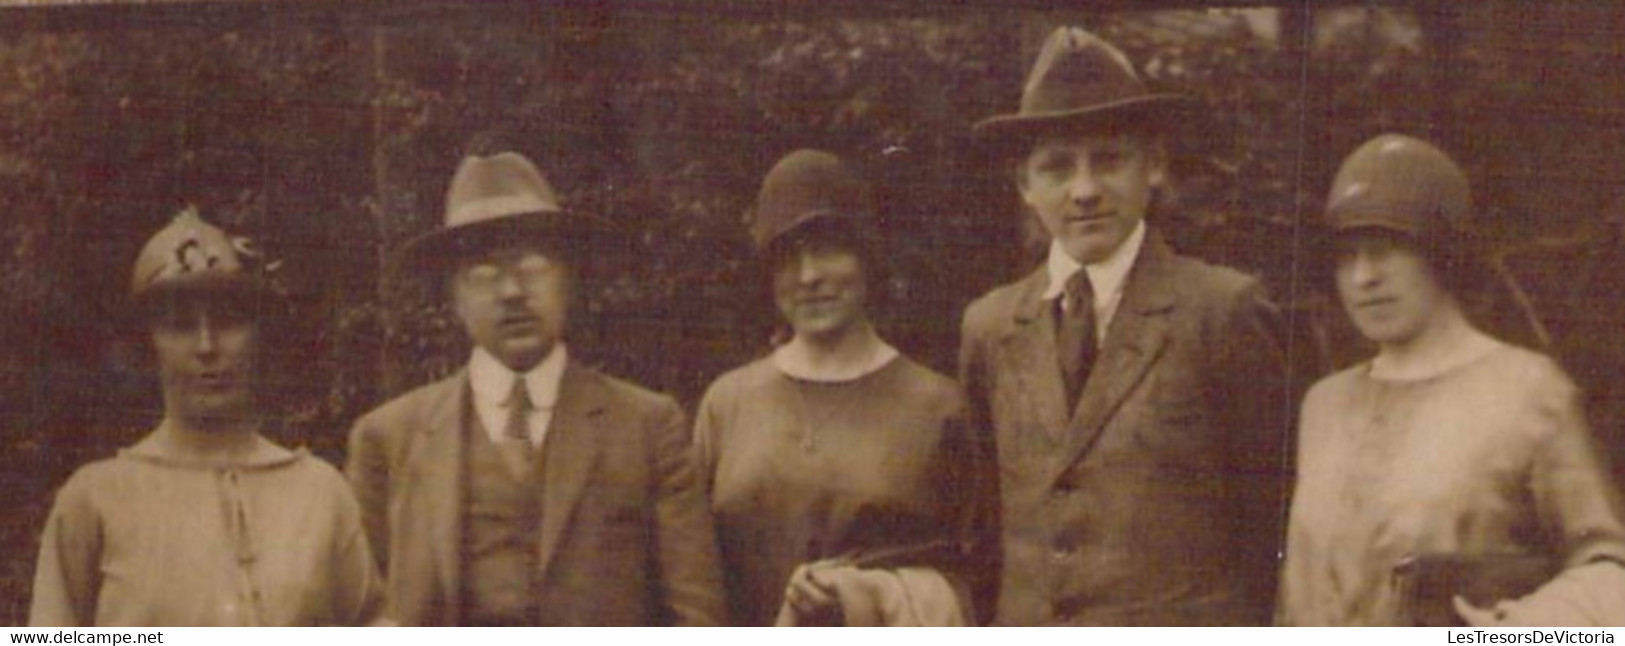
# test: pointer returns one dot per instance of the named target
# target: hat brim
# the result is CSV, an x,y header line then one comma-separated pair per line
x,y
802,223
806,223
571,234
1154,110
204,285
1324,237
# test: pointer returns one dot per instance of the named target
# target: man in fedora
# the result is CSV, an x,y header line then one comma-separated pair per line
x,y
528,489
1137,399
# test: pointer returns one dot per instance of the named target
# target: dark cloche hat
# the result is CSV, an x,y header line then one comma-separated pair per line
x,y
1081,80
1401,184
499,199
806,186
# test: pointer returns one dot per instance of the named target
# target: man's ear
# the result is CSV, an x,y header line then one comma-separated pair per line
x,y
1018,168
448,294
1156,149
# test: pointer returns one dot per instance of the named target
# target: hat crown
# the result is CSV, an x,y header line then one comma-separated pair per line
x,y
188,250
501,185
1399,182
1081,80
1076,69
803,186
500,200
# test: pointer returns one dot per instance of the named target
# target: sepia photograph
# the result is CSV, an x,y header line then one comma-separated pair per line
x,y
1032,313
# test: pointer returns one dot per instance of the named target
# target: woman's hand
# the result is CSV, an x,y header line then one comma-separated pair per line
x,y
813,599
1480,617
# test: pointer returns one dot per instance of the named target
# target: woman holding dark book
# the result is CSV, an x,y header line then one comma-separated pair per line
x,y
838,475
1451,474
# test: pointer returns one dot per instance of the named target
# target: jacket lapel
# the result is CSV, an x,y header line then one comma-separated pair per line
x,y
1029,348
436,468
1134,340
569,453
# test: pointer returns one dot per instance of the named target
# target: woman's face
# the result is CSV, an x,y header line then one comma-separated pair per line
x,y
820,290
206,354
1387,287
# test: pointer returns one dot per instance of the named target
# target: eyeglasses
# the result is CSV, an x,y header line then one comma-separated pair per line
x,y
527,271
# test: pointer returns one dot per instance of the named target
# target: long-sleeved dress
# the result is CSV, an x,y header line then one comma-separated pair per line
x,y
148,539
801,471
1489,458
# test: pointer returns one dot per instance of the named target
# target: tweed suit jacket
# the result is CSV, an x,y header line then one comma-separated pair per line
x,y
1160,498
625,536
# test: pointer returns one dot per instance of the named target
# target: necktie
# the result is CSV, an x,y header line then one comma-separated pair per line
x,y
519,409
1075,333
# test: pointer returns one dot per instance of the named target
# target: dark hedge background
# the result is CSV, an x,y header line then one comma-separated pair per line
x,y
332,140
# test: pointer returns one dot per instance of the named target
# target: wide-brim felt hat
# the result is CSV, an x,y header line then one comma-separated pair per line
x,y
807,188
1080,81
501,200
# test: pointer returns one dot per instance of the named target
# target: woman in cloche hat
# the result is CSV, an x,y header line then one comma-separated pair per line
x,y
1452,476
204,522
835,464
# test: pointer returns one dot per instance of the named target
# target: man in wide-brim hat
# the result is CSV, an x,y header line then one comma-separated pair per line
x,y
528,489
1137,399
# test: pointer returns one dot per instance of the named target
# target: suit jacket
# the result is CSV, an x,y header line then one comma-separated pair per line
x,y
626,535
1159,499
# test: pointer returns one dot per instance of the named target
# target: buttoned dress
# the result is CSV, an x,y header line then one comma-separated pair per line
x,y
151,539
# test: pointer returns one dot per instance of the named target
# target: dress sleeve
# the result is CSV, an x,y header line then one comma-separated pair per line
x,y
1581,510
706,427
1575,497
67,580
357,588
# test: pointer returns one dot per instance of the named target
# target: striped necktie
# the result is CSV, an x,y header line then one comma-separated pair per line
x,y
519,409
1075,334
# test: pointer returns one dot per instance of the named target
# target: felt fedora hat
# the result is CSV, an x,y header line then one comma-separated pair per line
x,y
498,200
1080,80
804,187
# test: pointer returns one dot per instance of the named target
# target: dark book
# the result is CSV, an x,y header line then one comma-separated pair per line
x,y
1428,582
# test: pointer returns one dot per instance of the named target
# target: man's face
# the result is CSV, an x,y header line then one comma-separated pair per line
x,y
206,352
820,290
514,303
1091,190
1387,288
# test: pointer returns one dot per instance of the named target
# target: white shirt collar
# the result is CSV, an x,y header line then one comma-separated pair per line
x,y
1106,276
492,381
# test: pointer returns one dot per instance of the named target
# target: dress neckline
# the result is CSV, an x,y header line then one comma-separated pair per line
x,y
784,362
1367,369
